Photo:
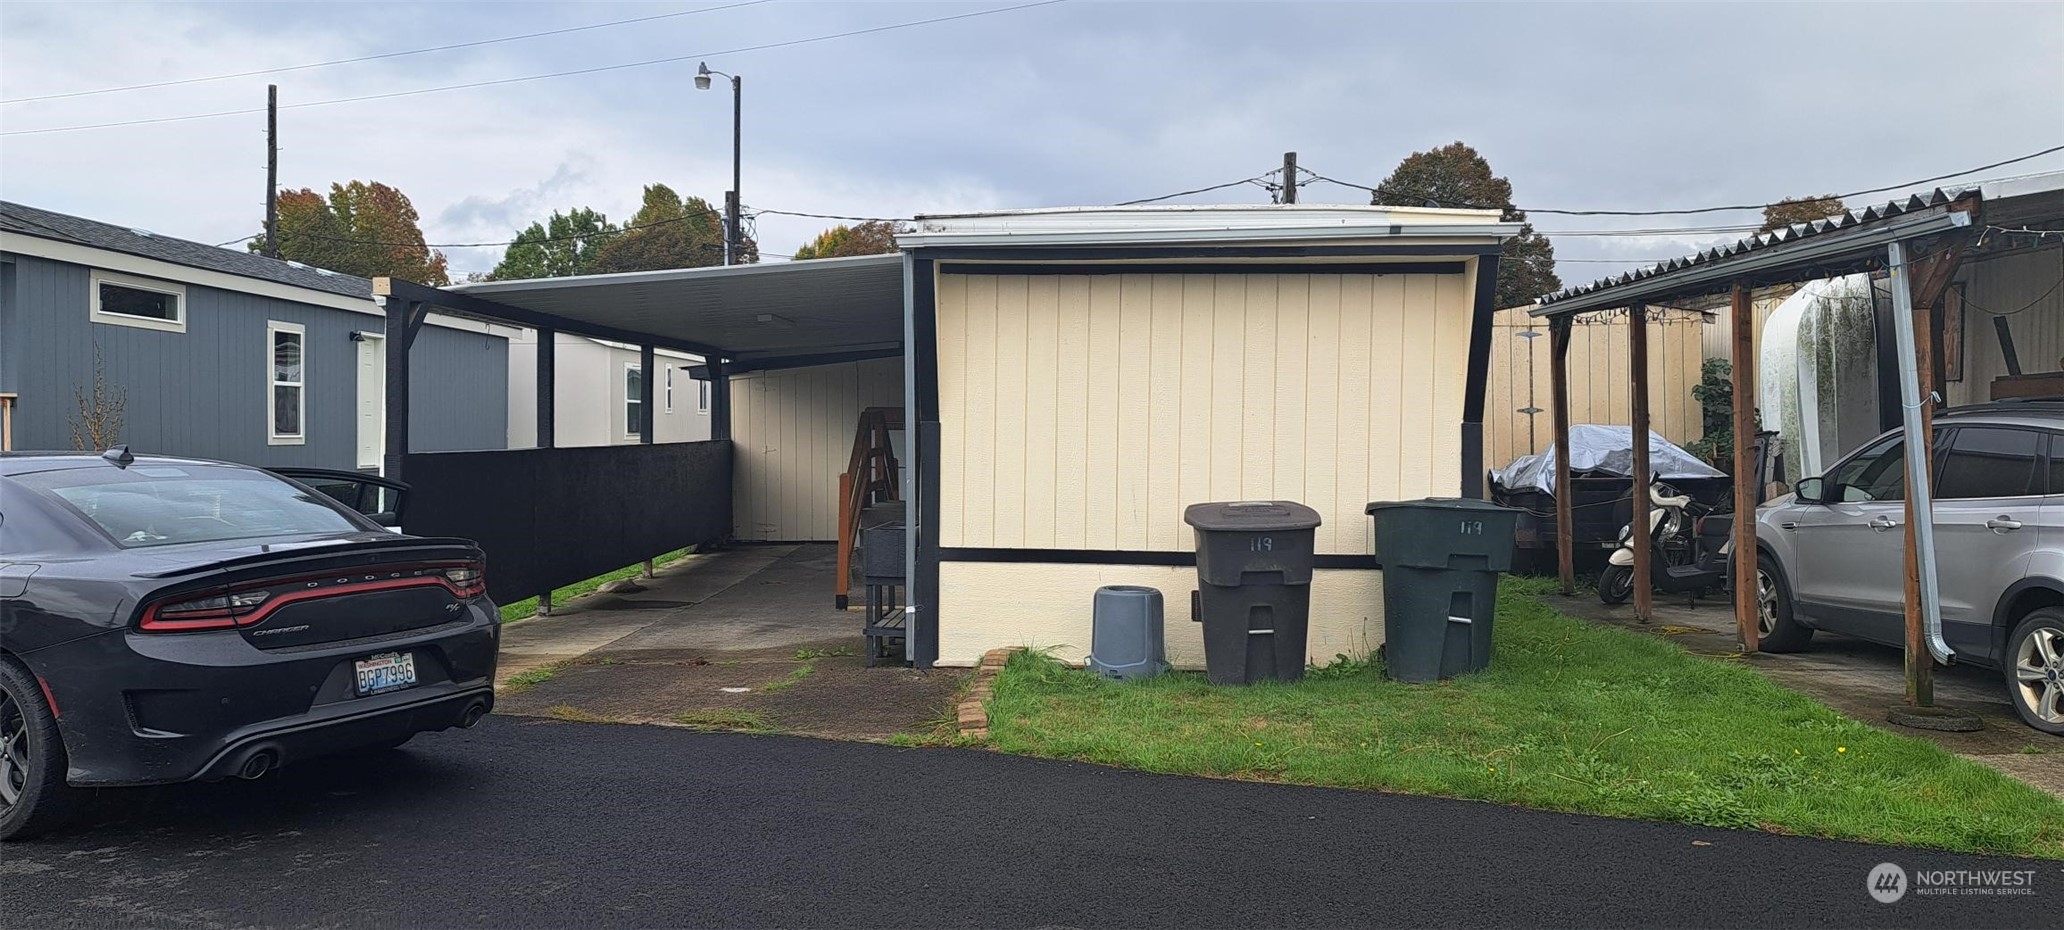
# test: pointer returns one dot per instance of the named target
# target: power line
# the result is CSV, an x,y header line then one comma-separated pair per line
x,y
415,51
834,216
1721,209
539,77
1257,179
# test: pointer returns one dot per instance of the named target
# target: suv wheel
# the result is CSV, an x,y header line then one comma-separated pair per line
x,y
34,798
2035,670
1777,629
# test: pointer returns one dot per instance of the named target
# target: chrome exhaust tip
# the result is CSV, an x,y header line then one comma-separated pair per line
x,y
256,765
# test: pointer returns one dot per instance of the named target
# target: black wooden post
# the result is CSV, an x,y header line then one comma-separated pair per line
x,y
647,377
720,398
403,316
547,387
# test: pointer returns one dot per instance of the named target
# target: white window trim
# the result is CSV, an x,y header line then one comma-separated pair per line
x,y
273,437
702,396
97,315
669,369
630,428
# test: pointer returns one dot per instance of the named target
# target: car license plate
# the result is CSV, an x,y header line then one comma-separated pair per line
x,y
390,672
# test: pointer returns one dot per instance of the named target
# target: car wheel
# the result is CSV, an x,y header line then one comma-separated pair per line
x,y
1616,584
1776,629
34,798
2035,670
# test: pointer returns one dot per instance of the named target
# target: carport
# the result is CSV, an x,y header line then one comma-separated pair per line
x,y
1931,250
552,516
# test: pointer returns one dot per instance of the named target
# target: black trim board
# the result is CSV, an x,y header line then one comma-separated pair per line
x,y
1110,268
1481,323
923,288
1123,557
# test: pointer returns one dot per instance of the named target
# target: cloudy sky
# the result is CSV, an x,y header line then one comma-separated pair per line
x,y
1633,106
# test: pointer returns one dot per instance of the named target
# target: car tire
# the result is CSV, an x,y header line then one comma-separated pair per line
x,y
1778,629
2035,677
34,798
1616,584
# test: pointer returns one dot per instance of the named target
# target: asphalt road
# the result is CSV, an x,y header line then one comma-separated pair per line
x,y
537,823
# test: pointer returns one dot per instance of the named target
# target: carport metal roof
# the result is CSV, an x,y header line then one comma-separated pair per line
x,y
745,312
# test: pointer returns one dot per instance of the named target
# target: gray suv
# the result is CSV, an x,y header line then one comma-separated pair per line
x,y
1832,555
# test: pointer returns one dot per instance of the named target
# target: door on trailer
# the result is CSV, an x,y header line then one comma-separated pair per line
x,y
372,400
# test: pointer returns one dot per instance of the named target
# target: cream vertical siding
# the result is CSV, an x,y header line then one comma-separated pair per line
x,y
1086,411
1046,606
1601,385
792,434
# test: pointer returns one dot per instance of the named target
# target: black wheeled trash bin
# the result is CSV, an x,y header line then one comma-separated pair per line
x,y
1254,571
1441,560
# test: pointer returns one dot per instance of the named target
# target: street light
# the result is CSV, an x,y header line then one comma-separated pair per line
x,y
732,239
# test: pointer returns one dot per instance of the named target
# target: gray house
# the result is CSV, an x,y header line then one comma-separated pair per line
x,y
218,353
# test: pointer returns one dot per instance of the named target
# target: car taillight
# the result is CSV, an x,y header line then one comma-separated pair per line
x,y
220,611
468,581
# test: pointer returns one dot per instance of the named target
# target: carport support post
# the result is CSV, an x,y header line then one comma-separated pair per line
x,y
720,398
1644,566
1915,386
404,318
647,395
1747,599
547,386
1565,514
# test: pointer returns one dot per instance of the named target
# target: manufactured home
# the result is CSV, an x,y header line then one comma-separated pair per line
x,y
115,334
1038,395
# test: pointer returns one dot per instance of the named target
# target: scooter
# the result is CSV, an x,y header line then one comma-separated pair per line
x,y
1692,549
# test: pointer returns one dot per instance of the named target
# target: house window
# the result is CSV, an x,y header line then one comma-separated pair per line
x,y
634,399
126,300
287,375
702,397
669,388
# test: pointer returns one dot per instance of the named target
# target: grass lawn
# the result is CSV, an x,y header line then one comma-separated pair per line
x,y
1569,717
527,608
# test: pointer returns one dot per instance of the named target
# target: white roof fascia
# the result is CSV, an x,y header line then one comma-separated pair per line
x,y
2021,187
1121,226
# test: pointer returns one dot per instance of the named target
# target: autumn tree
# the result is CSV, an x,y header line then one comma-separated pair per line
x,y
1792,211
1456,176
567,244
362,228
874,237
669,232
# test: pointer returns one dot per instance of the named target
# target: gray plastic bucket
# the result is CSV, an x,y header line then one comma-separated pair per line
x,y
1125,632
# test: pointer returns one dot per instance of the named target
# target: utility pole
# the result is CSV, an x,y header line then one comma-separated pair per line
x,y
1289,177
736,239
272,170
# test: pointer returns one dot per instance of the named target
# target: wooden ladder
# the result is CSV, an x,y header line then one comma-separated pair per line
x,y
870,477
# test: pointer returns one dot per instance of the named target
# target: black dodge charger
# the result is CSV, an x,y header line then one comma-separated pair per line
x,y
166,620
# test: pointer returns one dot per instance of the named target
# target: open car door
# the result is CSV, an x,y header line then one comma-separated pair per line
x,y
381,499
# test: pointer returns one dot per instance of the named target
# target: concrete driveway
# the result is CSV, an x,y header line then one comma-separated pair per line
x,y
742,638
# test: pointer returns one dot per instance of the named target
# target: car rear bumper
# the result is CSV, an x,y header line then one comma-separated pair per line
x,y
143,708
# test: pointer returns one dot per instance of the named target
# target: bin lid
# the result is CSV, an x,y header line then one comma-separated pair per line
x,y
1435,503
1239,516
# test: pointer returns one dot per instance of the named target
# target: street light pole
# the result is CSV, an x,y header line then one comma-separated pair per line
x,y
733,240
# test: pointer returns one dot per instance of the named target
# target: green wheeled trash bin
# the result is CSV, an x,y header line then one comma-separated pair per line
x,y
1254,572
1441,560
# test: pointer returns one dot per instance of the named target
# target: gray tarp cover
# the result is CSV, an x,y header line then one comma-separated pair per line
x,y
1607,449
